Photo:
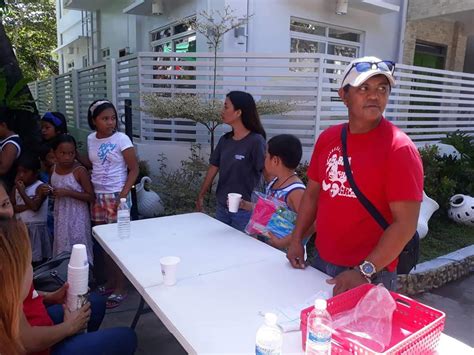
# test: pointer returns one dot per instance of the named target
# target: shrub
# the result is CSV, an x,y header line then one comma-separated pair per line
x,y
179,189
302,171
446,175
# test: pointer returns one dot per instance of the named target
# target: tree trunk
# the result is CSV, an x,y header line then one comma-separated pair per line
x,y
25,123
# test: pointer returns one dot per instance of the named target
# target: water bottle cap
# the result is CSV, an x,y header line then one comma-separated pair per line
x,y
320,304
123,199
270,319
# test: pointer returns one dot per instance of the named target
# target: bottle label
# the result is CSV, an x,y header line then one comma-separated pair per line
x,y
123,214
260,350
320,338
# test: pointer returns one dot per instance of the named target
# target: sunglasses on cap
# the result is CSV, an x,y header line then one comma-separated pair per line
x,y
49,117
385,66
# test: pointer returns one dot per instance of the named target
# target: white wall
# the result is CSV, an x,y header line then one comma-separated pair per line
x,y
115,29
269,27
173,11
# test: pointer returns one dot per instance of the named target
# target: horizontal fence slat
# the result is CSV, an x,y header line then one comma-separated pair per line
x,y
426,103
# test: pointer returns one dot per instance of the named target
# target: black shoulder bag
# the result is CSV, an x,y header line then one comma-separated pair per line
x,y
409,256
52,274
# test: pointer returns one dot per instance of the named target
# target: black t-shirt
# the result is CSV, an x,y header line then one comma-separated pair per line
x,y
240,164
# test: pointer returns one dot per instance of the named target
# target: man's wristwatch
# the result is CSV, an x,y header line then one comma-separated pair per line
x,y
367,269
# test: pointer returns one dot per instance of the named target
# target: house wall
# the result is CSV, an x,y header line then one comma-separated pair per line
x,y
271,33
422,9
469,62
265,33
437,31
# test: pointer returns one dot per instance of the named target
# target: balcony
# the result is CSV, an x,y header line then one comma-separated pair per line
x,y
88,5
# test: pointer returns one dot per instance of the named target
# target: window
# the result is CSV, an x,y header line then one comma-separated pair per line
x,y
174,38
85,61
312,37
179,38
70,65
105,52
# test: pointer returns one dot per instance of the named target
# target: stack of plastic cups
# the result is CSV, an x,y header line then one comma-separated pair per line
x,y
77,277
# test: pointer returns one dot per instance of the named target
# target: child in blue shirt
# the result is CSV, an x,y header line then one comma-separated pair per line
x,y
284,153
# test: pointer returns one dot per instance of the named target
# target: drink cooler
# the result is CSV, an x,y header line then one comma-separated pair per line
x,y
416,328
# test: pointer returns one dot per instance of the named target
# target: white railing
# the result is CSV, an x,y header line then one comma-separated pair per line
x,y
426,103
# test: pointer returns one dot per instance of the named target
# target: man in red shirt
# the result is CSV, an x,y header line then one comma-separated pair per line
x,y
387,169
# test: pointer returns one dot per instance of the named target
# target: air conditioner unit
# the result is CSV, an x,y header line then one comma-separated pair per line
x,y
70,50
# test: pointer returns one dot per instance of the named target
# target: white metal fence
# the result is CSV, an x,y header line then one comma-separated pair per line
x,y
426,103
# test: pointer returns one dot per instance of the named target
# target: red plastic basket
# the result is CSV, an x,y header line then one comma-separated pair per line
x,y
416,328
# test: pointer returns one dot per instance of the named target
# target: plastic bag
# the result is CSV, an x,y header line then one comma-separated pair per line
x,y
370,322
270,215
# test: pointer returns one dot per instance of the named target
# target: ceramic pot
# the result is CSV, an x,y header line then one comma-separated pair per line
x,y
462,209
149,203
428,207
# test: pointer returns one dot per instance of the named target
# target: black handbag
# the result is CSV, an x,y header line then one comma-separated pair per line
x,y
410,254
52,274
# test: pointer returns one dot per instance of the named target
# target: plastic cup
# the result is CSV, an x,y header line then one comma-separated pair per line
x,y
234,202
169,264
78,279
78,256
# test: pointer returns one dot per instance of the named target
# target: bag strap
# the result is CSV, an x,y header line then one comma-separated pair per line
x,y
374,212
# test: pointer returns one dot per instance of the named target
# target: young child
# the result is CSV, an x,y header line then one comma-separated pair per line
x,y
10,149
114,164
283,156
30,203
72,190
6,207
52,125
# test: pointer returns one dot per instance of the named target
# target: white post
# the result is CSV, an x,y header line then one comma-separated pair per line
x,y
319,93
140,115
75,97
111,78
54,105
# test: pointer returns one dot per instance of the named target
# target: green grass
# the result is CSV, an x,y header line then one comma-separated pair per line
x,y
445,236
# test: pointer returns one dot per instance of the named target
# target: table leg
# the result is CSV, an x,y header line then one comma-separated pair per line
x,y
140,311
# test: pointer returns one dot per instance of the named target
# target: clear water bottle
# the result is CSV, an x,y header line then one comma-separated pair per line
x,y
123,219
318,341
269,337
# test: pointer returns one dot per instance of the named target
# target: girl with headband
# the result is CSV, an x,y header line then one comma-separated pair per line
x,y
114,164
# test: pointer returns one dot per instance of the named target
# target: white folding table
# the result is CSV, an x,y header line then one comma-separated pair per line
x,y
226,280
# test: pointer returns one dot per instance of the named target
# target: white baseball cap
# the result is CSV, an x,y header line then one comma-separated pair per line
x,y
361,69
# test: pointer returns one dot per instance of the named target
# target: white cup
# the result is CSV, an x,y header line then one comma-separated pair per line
x,y
234,202
78,280
169,265
78,256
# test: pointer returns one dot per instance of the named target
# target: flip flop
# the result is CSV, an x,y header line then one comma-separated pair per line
x,y
102,290
115,300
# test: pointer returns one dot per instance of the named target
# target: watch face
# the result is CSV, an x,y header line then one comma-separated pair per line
x,y
367,268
